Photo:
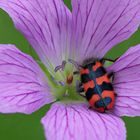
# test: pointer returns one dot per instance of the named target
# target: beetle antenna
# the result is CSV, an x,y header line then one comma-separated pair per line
x,y
74,63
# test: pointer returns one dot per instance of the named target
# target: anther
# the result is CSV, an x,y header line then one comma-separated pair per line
x,y
60,67
61,83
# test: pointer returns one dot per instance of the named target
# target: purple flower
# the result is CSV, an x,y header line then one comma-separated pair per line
x,y
91,30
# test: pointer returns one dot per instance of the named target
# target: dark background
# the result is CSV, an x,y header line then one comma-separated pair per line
x,y
28,127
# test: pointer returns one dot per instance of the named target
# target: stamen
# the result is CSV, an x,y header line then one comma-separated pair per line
x,y
57,68
66,94
63,65
60,67
61,83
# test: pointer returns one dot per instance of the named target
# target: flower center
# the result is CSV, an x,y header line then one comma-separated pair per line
x,y
63,83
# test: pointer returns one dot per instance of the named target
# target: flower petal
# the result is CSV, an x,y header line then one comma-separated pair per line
x,y
77,122
23,86
45,24
127,83
101,24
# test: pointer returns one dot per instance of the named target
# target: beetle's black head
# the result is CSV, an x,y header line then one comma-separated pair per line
x,y
90,61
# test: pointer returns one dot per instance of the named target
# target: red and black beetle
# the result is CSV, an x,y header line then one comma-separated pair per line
x,y
97,85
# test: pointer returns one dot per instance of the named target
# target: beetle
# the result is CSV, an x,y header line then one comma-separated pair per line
x,y
96,83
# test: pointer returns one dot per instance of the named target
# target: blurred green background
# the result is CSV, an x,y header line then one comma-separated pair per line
x,y
28,127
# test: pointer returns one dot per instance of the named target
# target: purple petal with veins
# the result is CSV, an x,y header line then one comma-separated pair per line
x,y
23,86
46,25
98,25
77,122
127,83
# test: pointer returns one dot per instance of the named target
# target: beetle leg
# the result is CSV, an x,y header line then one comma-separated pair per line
x,y
82,95
116,95
80,91
77,66
79,84
90,107
79,88
111,76
102,61
76,73
108,59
